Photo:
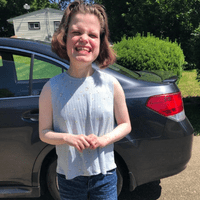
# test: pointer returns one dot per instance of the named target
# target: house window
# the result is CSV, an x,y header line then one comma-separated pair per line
x,y
34,25
56,25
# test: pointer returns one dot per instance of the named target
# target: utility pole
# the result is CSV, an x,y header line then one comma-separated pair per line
x,y
48,25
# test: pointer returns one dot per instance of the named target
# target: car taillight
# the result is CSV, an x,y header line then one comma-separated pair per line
x,y
167,104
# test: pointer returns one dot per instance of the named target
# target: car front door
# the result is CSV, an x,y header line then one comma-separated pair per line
x,y
22,76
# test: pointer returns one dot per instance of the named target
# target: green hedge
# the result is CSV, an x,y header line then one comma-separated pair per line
x,y
150,53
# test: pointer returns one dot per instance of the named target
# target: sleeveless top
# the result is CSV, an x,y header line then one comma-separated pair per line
x,y
83,106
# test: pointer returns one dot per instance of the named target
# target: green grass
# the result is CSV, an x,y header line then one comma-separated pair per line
x,y
1,63
41,69
190,90
189,85
22,67
44,70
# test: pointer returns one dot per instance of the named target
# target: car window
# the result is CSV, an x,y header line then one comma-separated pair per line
x,y
1,63
44,69
41,69
13,66
22,66
15,74
4,91
122,70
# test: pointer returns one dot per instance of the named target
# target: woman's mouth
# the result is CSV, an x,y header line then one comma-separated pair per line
x,y
83,49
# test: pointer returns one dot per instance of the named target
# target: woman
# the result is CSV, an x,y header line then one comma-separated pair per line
x,y
76,108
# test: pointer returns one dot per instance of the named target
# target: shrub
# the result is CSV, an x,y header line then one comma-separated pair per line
x,y
150,53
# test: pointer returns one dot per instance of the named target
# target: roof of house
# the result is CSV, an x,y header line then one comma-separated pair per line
x,y
50,10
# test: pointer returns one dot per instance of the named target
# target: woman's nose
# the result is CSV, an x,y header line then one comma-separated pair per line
x,y
84,38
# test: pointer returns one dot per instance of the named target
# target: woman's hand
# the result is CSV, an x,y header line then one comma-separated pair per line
x,y
96,141
80,142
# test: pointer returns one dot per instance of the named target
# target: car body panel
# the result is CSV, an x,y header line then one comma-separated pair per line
x,y
161,165
19,139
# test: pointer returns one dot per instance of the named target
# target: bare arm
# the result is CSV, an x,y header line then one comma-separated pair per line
x,y
46,132
122,117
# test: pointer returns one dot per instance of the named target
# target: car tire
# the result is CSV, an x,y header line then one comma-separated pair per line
x,y
119,179
52,183
51,180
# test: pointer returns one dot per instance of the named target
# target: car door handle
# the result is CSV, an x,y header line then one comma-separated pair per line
x,y
31,115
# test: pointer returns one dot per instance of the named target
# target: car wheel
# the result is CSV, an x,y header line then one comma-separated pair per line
x,y
52,183
151,190
119,178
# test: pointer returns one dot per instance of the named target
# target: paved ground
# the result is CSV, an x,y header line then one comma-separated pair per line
x,y
184,186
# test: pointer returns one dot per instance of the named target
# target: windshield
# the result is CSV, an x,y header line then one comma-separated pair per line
x,y
150,76
125,71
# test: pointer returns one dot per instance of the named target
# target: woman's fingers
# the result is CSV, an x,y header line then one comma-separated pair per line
x,y
94,141
80,143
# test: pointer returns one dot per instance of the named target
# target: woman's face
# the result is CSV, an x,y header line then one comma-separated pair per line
x,y
83,39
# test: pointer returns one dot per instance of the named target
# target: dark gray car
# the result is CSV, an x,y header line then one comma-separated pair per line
x,y
158,146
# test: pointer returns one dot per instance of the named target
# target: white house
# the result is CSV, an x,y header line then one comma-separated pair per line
x,y
37,25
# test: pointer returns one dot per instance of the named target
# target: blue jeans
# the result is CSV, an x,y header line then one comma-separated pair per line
x,y
97,187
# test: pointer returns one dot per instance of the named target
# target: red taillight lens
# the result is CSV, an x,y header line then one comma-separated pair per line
x,y
166,104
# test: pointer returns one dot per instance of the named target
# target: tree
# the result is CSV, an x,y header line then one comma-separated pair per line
x,y
175,19
9,9
62,4
117,24
41,4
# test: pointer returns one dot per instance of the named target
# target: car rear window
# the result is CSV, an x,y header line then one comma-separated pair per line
x,y
150,76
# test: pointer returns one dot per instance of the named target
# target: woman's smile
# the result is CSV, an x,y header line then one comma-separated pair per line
x,y
83,50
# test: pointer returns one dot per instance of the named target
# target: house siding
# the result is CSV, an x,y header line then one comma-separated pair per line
x,y
46,19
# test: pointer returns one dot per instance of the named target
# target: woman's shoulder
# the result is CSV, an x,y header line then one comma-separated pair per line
x,y
105,76
56,80
57,77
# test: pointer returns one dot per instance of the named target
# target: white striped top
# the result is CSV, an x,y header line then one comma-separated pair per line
x,y
83,106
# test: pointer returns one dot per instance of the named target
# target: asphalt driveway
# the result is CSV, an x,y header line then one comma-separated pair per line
x,y
184,186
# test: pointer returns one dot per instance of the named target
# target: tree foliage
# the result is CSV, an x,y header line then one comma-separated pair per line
x,y
62,4
176,19
41,4
117,24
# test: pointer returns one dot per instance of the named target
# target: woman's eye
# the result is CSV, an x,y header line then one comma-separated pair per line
x,y
76,33
93,36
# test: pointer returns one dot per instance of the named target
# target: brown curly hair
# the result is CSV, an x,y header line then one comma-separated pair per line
x,y
106,55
